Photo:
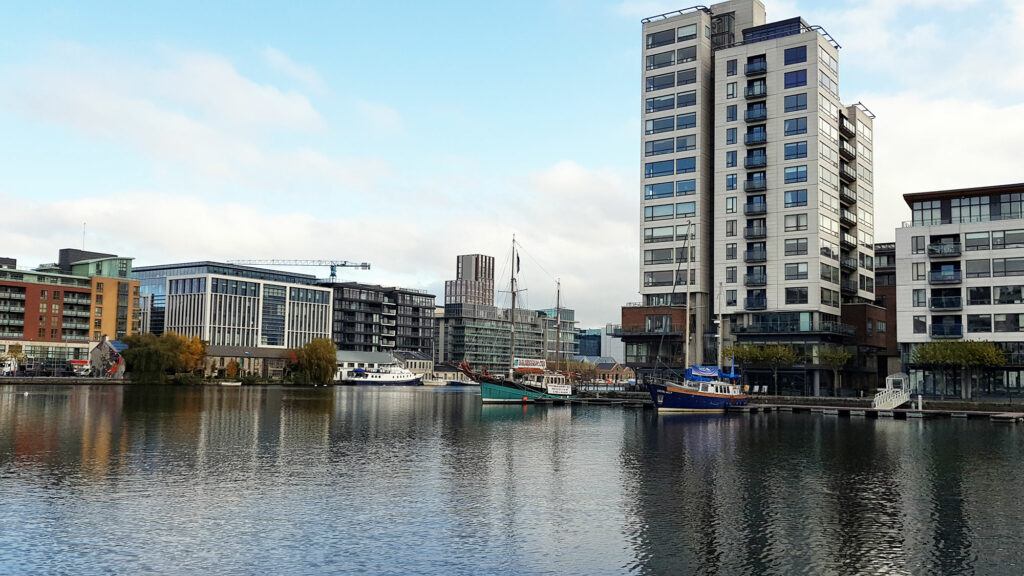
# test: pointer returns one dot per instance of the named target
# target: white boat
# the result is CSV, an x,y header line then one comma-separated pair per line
x,y
434,382
388,375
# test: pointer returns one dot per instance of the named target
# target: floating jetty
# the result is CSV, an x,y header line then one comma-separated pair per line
x,y
901,414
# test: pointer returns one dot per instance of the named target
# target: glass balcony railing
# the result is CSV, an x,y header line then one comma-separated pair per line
x,y
947,331
944,277
756,91
756,68
946,303
944,249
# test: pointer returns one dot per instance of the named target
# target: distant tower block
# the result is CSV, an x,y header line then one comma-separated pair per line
x,y
474,281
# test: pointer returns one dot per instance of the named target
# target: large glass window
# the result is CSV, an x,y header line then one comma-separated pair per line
x,y
730,113
657,147
1011,205
796,222
1008,294
685,143
730,67
973,209
796,295
979,322
1008,239
662,38
658,256
1008,267
796,198
978,268
927,213
795,174
795,78
655,169
684,99
796,271
730,159
976,241
795,55
661,81
661,190
661,60
919,297
795,102
659,125
686,165
660,103
796,150
684,77
1007,323
979,295
660,212
795,126
917,244
686,209
688,54
920,324
659,234
730,136
796,246
730,181
686,121
686,187
688,32
730,90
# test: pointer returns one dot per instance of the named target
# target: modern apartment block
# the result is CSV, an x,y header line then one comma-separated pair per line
x,y
747,146
961,277
370,318
474,281
561,334
54,313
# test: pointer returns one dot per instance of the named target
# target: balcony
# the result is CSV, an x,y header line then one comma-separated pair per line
x,y
386,322
77,300
848,240
619,331
847,150
797,327
75,338
946,303
751,162
755,232
947,331
847,217
756,68
12,322
755,279
755,256
848,286
944,250
847,173
848,264
944,277
12,335
755,138
847,128
755,209
75,325
755,303
76,313
756,92
756,115
848,194
11,296
755,185
12,308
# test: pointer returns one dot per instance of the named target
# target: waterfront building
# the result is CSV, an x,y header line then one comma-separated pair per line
x,y
154,282
889,361
236,306
960,257
371,318
481,334
51,314
746,145
590,342
474,281
561,335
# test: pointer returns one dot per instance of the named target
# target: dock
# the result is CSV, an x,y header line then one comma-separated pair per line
x,y
898,413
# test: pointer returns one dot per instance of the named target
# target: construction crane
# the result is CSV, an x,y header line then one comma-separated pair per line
x,y
334,264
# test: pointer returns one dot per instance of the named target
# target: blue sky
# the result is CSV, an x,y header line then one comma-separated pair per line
x,y
404,134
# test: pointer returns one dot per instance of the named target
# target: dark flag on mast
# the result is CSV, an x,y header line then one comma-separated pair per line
x,y
517,263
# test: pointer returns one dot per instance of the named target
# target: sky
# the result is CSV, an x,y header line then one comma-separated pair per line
x,y
406,133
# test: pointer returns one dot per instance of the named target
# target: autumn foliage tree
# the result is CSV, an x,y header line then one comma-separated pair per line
x,y
316,362
151,358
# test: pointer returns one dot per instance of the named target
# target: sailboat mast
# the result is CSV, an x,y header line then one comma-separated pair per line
x,y
686,328
512,316
558,324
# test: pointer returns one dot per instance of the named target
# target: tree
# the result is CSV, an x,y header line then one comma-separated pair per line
x,y
947,356
151,357
232,368
777,356
318,361
834,358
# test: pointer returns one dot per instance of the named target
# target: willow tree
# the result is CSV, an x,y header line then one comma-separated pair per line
x,y
318,361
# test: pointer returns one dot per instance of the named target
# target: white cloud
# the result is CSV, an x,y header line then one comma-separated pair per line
x,y
304,73
379,117
923,144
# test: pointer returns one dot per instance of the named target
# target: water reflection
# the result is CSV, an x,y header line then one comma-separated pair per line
x,y
399,480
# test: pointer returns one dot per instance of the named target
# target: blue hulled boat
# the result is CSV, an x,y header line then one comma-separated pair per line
x,y
704,389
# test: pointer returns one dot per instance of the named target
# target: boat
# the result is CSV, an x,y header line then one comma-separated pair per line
x,y
434,382
230,383
528,379
381,376
704,389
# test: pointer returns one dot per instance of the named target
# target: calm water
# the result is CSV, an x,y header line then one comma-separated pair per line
x,y
105,480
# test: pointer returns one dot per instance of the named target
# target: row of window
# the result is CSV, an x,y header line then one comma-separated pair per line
x,y
666,211
671,80
670,145
793,295
996,240
975,323
669,189
670,167
976,296
673,35
669,123
980,268
670,101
